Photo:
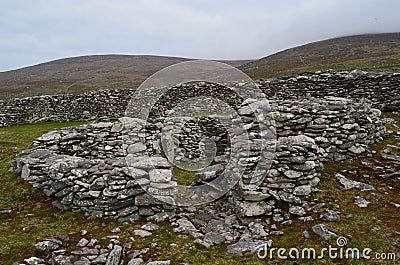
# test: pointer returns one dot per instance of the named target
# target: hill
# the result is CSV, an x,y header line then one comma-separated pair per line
x,y
377,52
85,73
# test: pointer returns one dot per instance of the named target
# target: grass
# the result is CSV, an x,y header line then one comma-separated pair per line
x,y
33,218
184,177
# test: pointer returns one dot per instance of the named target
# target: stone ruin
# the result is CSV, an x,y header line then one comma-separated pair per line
x,y
85,168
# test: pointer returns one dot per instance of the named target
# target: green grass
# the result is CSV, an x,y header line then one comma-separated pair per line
x,y
184,177
33,218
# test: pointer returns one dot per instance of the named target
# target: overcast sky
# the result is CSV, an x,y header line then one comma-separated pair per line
x,y
36,31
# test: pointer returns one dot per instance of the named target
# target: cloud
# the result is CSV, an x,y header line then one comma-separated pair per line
x,y
38,31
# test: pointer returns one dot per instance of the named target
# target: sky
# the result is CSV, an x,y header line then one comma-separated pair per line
x,y
37,31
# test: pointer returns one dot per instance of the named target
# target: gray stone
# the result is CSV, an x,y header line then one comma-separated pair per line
x,y
160,262
101,259
250,209
82,243
135,261
361,202
324,231
48,245
150,227
297,210
350,184
215,238
288,197
293,174
34,261
251,195
142,233
136,148
62,260
302,190
330,216
115,256
160,175
357,149
305,234
187,227
242,247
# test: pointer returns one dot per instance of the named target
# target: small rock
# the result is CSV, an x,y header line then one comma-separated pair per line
x,y
297,210
48,245
142,233
160,262
302,190
215,238
150,227
34,261
101,259
350,184
305,234
242,247
185,226
92,242
204,243
61,260
324,231
395,204
139,252
276,233
306,218
116,230
361,202
331,216
287,222
82,243
115,256
135,261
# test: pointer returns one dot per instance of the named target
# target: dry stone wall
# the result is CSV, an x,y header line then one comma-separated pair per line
x,y
84,167
382,89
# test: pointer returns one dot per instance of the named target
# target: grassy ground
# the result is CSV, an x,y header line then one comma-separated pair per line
x,y
33,218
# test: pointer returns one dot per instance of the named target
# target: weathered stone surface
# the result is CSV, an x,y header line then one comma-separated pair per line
x,y
331,216
115,256
160,175
160,262
297,210
49,245
34,261
350,184
136,261
361,202
242,247
324,231
142,233
253,208
302,190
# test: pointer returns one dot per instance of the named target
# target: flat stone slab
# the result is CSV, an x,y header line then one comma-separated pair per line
x,y
350,184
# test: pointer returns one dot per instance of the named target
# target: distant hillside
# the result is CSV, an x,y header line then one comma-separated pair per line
x,y
380,52
79,74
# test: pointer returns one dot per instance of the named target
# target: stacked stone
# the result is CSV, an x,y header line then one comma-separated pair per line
x,y
341,127
382,89
96,140
85,168
96,105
